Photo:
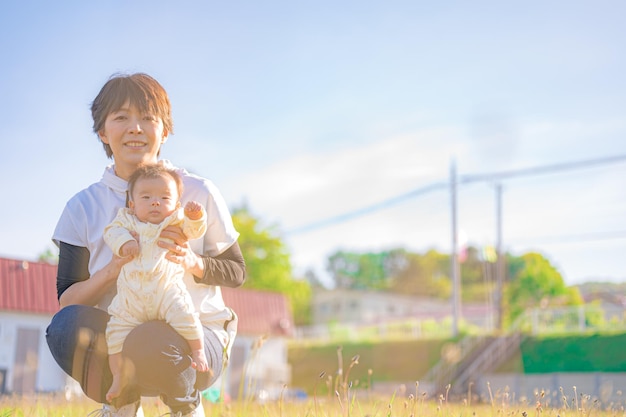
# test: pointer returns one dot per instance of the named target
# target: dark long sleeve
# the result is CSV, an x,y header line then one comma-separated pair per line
x,y
73,266
227,269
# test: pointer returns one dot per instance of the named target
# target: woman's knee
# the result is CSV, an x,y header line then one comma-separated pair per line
x,y
72,318
160,359
155,342
61,322
75,337
71,326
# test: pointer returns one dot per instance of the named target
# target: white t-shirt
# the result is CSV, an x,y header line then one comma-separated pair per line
x,y
86,215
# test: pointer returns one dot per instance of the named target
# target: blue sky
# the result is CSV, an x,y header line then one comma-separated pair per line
x,y
307,110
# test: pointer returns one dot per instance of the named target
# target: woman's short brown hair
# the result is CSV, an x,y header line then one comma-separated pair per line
x,y
141,91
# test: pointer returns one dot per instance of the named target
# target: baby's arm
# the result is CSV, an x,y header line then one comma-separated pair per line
x,y
121,237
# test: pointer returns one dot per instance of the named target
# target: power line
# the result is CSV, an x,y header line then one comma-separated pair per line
x,y
368,209
575,238
546,169
440,185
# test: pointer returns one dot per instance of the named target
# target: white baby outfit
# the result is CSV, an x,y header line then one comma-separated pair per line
x,y
150,287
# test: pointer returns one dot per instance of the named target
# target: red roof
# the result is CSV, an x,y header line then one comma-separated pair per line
x,y
28,286
260,312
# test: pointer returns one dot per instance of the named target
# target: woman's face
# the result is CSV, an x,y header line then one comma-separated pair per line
x,y
135,138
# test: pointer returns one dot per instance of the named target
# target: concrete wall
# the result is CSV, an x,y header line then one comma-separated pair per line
x,y
607,389
263,365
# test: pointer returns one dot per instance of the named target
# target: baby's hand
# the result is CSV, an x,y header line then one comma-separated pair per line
x,y
193,210
130,248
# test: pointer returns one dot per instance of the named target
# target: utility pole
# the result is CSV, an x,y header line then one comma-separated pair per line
x,y
500,261
454,258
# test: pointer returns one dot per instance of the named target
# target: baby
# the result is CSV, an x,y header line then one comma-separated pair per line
x,y
151,287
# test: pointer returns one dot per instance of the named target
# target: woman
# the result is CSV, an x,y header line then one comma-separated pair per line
x,y
132,118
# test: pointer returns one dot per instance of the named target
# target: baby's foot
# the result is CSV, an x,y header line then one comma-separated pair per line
x,y
115,389
199,361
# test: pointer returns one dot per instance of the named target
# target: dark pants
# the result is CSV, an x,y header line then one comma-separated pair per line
x,y
157,357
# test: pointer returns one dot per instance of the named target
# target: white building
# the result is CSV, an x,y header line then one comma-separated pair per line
x,y
368,307
27,303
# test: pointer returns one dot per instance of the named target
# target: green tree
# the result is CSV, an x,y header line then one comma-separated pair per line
x,y
423,275
536,283
268,263
360,270
48,256
473,267
479,274
405,272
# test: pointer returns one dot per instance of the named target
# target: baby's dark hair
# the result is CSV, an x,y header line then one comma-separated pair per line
x,y
154,171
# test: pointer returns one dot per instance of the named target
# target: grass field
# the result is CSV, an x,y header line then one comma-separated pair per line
x,y
347,404
342,396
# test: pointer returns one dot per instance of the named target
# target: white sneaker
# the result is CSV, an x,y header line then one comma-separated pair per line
x,y
198,412
128,410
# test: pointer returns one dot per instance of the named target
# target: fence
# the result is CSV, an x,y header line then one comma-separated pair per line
x,y
577,319
538,321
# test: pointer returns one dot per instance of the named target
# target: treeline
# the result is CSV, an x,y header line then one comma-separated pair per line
x,y
529,280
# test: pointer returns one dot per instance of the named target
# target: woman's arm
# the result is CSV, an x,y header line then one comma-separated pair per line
x,y
227,269
74,285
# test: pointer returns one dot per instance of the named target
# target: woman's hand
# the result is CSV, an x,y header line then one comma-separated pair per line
x,y
117,263
129,249
90,291
179,251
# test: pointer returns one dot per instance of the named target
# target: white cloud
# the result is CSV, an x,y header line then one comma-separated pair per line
x,y
310,187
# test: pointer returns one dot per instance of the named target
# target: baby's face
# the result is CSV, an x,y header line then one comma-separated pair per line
x,y
154,199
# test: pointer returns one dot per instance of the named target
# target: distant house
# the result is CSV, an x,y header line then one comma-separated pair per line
x,y
612,304
368,307
28,302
